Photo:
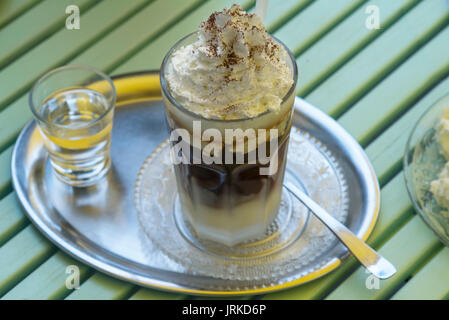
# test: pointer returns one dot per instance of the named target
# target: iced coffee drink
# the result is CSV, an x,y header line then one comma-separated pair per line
x,y
229,90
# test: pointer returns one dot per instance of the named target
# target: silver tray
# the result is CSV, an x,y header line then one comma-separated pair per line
x,y
99,226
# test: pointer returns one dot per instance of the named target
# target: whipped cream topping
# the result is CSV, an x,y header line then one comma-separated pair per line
x,y
442,133
234,70
440,186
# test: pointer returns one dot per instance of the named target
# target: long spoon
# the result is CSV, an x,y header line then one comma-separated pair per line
x,y
375,263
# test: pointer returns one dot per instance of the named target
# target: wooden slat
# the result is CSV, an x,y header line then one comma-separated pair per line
x,y
407,250
12,219
48,281
12,120
5,171
102,287
430,283
104,54
21,255
151,56
346,40
387,150
10,9
376,61
317,19
395,211
400,89
328,14
34,26
54,51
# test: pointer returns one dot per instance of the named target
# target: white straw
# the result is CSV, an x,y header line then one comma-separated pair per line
x,y
261,8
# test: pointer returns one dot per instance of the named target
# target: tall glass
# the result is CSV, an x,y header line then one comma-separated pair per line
x,y
73,107
230,203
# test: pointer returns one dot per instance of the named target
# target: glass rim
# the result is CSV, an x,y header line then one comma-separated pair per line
x,y
166,91
72,67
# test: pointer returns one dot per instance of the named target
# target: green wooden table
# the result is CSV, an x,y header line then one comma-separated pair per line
x,y
375,82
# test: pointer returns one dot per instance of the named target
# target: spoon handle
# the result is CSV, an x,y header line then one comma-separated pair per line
x,y
375,263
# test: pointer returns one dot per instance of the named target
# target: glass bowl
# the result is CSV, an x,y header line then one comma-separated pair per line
x,y
423,162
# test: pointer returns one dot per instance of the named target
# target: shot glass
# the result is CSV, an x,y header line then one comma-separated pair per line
x,y
73,107
230,203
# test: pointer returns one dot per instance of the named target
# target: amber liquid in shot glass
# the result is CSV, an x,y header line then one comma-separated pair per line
x,y
75,121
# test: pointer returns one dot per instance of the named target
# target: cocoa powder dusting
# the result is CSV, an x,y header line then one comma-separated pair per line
x,y
227,53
